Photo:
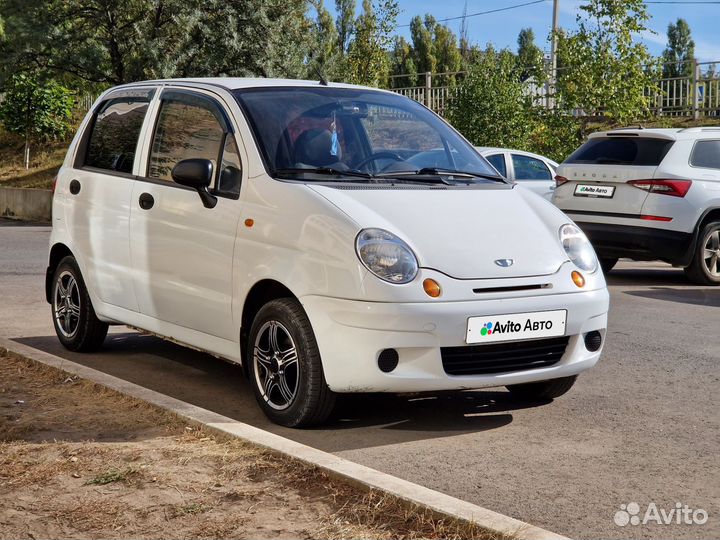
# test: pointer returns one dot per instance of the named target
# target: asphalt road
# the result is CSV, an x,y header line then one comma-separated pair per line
x,y
642,426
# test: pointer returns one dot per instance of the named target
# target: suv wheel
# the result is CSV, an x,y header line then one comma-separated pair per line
x,y
285,368
607,264
705,266
76,325
538,391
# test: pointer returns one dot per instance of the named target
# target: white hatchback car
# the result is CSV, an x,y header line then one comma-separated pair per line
x,y
531,171
648,194
287,225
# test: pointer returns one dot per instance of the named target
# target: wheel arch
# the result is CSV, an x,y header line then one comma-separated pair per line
x,y
710,214
261,293
57,253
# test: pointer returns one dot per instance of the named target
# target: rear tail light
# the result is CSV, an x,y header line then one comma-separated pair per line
x,y
674,188
560,180
54,183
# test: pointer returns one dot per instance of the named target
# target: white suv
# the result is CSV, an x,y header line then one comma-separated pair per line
x,y
331,238
648,194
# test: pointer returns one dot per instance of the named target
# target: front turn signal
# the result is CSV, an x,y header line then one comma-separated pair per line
x,y
432,288
578,279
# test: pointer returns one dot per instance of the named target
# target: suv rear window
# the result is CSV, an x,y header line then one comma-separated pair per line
x,y
621,151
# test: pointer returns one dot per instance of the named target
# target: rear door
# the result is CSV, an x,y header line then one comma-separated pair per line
x,y
533,174
101,187
182,251
598,173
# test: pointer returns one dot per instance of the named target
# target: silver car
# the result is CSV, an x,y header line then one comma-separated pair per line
x,y
529,170
648,194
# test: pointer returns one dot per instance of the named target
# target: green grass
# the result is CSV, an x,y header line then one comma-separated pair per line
x,y
111,476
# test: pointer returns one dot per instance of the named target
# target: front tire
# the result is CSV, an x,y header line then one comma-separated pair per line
x,y
705,266
76,325
542,390
285,367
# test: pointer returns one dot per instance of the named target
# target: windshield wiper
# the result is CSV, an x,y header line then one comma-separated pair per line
x,y
437,171
330,171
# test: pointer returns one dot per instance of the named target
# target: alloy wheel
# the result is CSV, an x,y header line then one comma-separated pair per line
x,y
711,253
66,304
276,366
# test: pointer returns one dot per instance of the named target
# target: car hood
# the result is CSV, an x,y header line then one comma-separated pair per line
x,y
462,233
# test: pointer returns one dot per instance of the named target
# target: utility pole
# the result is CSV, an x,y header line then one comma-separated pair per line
x,y
553,50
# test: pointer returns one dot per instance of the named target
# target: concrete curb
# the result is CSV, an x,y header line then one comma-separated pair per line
x,y
26,203
359,475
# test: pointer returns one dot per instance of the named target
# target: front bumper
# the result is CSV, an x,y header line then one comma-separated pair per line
x,y
351,334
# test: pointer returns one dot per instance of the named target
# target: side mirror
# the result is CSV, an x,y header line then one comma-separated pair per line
x,y
197,174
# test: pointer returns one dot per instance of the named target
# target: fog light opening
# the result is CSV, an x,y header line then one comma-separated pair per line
x,y
578,279
388,360
432,288
593,341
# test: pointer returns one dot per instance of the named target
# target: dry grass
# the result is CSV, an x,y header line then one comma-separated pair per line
x,y
78,461
45,160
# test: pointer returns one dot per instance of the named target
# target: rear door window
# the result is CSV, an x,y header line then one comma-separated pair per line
x,y
644,151
530,168
115,131
706,154
498,161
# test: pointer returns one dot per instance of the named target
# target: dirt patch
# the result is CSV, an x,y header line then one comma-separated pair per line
x,y
80,461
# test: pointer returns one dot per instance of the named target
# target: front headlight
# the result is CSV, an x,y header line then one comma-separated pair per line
x,y
386,256
578,248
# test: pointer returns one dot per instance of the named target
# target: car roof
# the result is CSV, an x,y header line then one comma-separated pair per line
x,y
234,83
672,134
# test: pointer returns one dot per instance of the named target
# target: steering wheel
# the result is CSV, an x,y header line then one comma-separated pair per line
x,y
379,155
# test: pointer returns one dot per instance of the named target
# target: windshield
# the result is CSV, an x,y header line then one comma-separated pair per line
x,y
355,133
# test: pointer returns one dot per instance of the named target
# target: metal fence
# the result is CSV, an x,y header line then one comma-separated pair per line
x,y
695,96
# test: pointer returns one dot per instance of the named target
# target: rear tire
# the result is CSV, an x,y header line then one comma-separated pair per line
x,y
542,390
76,325
705,266
607,264
285,368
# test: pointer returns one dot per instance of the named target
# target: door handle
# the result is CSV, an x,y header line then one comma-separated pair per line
x,y
75,187
146,201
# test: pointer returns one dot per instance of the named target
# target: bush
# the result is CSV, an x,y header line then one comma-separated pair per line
x,y
490,107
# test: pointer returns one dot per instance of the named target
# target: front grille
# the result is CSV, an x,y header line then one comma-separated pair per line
x,y
503,357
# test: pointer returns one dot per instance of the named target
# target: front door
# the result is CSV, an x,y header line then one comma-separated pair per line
x,y
182,251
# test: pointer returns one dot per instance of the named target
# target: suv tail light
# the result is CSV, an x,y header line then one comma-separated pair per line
x,y
54,183
674,188
560,180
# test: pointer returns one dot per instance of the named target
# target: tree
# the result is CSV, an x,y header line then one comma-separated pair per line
x,y
345,24
435,48
530,57
37,111
490,106
403,64
679,56
368,60
421,33
606,69
108,42
324,56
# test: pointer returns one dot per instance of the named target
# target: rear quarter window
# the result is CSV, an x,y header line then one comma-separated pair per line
x,y
644,151
706,154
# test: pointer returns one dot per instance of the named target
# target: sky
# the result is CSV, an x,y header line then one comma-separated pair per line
x,y
501,29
